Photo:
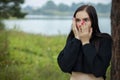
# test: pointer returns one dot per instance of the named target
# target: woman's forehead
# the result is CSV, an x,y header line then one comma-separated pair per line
x,y
82,14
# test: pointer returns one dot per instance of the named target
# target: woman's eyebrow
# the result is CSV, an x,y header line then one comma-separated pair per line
x,y
77,18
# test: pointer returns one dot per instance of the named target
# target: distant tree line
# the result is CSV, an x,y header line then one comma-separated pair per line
x,y
50,8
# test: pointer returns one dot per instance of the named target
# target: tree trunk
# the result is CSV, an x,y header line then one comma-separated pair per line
x,y
115,23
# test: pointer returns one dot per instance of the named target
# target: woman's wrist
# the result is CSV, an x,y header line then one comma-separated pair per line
x,y
85,42
77,37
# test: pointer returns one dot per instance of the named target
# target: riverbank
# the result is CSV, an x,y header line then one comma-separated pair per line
x,y
33,57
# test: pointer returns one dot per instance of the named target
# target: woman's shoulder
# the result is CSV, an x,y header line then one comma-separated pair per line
x,y
105,36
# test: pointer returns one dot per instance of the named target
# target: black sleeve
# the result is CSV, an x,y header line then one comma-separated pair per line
x,y
67,57
98,62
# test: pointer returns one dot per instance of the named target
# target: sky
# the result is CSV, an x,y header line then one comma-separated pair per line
x,y
39,3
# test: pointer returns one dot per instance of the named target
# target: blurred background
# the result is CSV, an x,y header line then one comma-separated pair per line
x,y
33,32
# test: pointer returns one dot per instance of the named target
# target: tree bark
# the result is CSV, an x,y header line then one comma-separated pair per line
x,y
115,29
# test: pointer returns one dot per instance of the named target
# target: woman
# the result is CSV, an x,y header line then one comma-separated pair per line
x,y
87,53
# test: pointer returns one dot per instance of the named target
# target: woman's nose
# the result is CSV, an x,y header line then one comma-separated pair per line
x,y
81,22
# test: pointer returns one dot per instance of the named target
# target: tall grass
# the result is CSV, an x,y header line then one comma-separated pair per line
x,y
3,51
33,57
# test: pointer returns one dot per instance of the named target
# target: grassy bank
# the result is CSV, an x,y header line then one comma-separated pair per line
x,y
33,57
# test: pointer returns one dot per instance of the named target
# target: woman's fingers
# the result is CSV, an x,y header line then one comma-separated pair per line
x,y
84,27
74,28
81,27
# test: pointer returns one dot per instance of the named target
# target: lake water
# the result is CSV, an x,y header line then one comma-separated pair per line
x,y
53,25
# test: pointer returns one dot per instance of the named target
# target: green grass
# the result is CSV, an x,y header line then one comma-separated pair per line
x,y
33,57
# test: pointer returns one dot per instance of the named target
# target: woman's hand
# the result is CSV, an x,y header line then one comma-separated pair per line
x,y
82,32
75,29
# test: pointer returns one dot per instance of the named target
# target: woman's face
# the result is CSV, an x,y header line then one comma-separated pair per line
x,y
82,17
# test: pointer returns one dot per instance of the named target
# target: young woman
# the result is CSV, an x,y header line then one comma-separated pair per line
x,y
87,53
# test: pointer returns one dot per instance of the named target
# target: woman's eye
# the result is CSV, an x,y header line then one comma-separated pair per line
x,y
77,20
86,19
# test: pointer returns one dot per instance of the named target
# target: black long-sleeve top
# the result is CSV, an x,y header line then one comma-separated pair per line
x,y
76,57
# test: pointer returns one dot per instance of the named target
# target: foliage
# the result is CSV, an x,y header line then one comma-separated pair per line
x,y
11,8
2,26
50,5
63,7
49,8
34,57
3,48
101,8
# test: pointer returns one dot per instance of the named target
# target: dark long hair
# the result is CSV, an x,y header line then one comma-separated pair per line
x,y
93,17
